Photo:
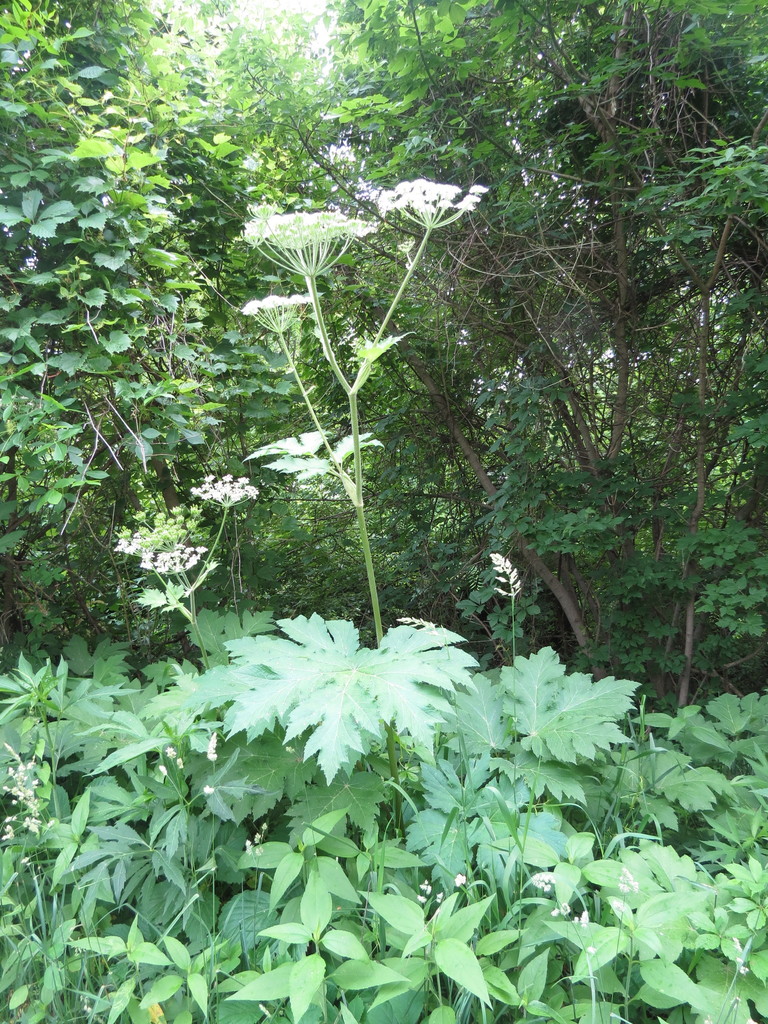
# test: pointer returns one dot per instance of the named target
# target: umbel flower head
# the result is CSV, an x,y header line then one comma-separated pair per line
x,y
227,491
428,203
277,313
163,545
304,243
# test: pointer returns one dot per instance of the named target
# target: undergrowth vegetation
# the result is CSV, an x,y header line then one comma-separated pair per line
x,y
230,844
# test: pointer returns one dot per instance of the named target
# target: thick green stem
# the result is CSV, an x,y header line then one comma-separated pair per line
x,y
370,572
351,390
196,628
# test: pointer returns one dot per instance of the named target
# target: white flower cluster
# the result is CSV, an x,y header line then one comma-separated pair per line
x,y
306,243
226,491
564,910
173,754
23,793
506,575
276,312
428,203
275,302
426,889
163,542
211,751
173,561
627,882
543,881
255,846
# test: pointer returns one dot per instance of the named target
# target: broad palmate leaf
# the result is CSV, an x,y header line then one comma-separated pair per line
x,y
317,681
565,717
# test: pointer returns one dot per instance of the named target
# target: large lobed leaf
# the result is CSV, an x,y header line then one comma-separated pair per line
x,y
565,717
317,680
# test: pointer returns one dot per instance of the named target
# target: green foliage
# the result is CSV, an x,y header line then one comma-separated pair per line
x,y
204,878
215,817
565,717
320,679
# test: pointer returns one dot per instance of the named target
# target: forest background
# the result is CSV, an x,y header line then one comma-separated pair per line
x,y
574,378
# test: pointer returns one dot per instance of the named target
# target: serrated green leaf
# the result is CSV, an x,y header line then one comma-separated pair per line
x,y
446,843
306,444
11,215
359,796
479,718
563,781
92,71
30,202
61,211
565,717
341,695
94,297
151,597
93,147
112,261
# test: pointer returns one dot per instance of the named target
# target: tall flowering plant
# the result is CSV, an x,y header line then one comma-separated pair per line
x,y
310,244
